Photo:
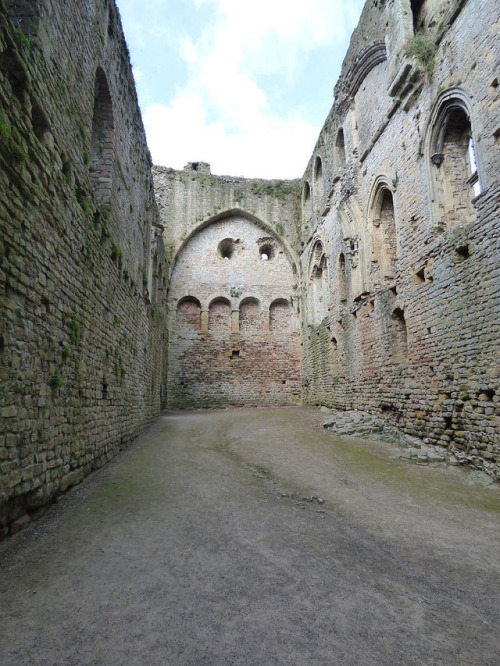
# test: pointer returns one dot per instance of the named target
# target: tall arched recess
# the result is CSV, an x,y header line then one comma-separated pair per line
x,y
247,359
102,146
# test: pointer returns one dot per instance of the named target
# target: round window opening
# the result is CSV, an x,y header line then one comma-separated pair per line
x,y
226,248
266,252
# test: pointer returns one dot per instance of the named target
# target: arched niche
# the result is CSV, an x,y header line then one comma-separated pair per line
x,y
452,161
250,315
383,232
318,284
102,141
219,315
188,315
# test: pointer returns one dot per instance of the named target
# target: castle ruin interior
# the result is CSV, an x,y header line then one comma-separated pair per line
x,y
370,283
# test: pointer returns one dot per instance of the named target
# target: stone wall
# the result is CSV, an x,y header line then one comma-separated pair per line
x,y
193,197
82,265
403,228
233,323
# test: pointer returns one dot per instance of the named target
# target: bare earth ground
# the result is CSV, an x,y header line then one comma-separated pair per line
x,y
251,536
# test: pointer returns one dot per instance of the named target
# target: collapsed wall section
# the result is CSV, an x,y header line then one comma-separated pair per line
x,y
82,272
191,197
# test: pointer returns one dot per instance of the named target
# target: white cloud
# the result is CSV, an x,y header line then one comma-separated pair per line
x,y
222,115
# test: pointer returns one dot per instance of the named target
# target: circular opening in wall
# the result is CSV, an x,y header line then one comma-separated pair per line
x,y
226,248
266,252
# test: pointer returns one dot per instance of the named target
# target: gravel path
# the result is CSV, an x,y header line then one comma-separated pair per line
x,y
254,537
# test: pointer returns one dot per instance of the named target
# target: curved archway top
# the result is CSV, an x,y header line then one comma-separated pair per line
x,y
350,218
238,212
188,298
381,184
366,60
448,100
317,254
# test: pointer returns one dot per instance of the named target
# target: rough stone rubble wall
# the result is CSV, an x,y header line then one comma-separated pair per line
x,y
414,335
81,339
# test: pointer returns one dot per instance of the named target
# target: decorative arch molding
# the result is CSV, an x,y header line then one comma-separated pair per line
x,y
317,282
238,212
362,65
382,228
453,162
354,245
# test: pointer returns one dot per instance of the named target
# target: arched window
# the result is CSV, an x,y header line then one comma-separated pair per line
x,y
102,141
318,169
307,200
455,179
188,314
219,315
340,149
400,337
319,284
250,317
342,278
384,242
280,314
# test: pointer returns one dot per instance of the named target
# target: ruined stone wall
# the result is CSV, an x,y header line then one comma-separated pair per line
x,y
401,229
233,331
193,197
82,271
233,324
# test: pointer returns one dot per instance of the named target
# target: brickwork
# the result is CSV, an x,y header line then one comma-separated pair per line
x,y
81,345
233,322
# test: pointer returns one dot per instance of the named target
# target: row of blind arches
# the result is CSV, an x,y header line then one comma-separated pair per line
x,y
251,316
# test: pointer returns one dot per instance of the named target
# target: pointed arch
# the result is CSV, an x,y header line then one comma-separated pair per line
x,y
269,230
318,283
382,228
454,167
354,246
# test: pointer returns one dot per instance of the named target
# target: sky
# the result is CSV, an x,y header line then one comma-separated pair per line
x,y
244,85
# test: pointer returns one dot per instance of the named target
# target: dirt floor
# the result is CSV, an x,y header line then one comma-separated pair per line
x,y
255,537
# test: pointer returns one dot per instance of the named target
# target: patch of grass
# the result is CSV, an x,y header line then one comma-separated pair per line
x,y
423,50
4,129
116,253
83,131
25,41
86,157
21,154
56,380
74,329
66,352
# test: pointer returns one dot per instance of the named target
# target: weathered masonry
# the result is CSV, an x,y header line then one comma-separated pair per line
x,y
396,229
371,283
82,267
